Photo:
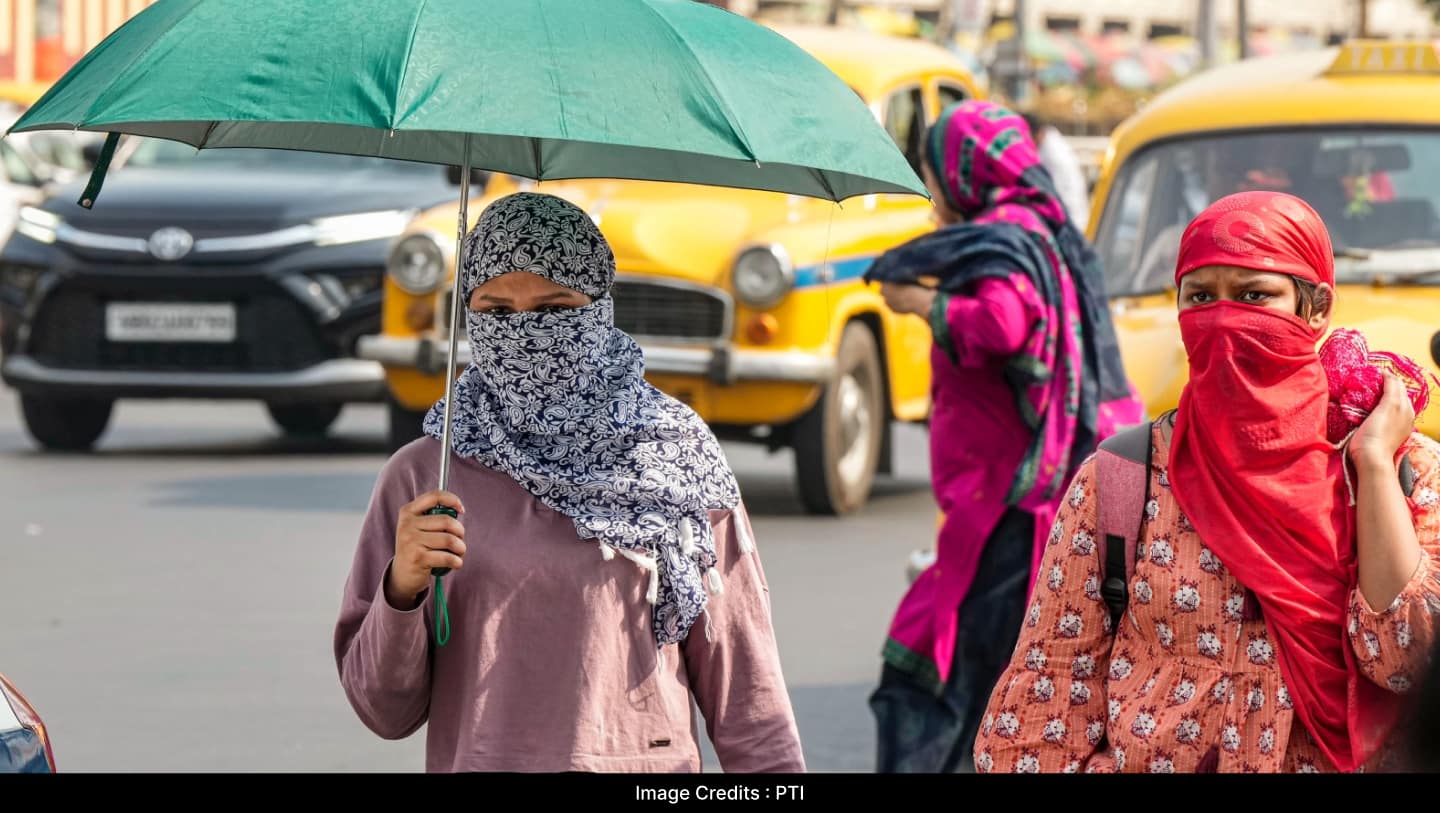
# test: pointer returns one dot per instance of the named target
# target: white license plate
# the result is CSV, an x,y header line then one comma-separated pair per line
x,y
166,322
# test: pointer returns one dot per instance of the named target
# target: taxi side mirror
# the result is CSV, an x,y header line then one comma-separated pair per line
x,y
478,177
91,152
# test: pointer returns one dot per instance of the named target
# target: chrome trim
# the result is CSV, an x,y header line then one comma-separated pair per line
x,y
790,366
292,236
65,233
283,238
721,363
332,373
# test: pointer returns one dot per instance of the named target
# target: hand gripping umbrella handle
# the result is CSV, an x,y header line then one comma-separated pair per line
x,y
449,512
442,608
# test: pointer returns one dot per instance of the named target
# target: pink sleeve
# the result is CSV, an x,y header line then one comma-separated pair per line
x,y
1393,645
994,320
383,653
734,664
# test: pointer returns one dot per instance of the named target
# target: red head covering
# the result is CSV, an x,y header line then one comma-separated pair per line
x,y
1253,470
1263,231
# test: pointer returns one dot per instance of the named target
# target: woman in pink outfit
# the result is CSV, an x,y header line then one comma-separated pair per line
x,y
1027,380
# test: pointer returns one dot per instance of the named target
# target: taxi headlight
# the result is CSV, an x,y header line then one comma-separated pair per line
x,y
417,264
762,276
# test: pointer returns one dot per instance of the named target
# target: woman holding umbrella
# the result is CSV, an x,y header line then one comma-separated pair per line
x,y
604,572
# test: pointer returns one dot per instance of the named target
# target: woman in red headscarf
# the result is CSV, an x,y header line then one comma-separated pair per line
x,y
1287,579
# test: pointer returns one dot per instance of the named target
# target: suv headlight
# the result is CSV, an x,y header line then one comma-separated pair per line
x,y
762,276
37,224
357,228
417,264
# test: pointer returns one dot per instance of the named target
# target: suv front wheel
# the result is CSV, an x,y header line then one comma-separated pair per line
x,y
65,425
304,420
837,443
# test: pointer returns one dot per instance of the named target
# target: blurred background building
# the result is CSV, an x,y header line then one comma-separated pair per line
x,y
40,39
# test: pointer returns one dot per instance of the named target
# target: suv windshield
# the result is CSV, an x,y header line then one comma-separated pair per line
x,y
1377,191
160,153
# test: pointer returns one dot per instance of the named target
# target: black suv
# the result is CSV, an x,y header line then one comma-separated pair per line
x,y
228,273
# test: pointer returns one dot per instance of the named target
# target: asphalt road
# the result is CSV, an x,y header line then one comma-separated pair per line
x,y
167,603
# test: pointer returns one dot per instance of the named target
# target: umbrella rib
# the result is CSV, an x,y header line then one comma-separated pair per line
x,y
405,66
825,182
209,131
730,118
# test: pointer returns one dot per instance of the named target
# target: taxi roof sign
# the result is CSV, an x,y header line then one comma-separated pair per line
x,y
1371,57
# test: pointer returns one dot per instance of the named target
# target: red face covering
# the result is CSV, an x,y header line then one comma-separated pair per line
x,y
1252,469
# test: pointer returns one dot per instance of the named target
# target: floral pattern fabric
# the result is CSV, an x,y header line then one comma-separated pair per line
x,y
1190,680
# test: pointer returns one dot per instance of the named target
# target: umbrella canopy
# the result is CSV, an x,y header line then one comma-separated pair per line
x,y
667,90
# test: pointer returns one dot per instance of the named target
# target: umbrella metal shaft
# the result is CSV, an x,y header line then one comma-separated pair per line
x,y
456,311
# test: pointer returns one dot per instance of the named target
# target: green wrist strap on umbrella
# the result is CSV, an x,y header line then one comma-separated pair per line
x,y
102,167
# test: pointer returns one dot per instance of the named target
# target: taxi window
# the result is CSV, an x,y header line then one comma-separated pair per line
x,y
1378,192
950,94
905,121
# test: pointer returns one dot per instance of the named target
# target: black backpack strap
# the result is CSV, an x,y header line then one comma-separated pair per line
x,y
1123,463
1407,476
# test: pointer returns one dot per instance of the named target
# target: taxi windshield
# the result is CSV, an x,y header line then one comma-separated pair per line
x,y
1378,192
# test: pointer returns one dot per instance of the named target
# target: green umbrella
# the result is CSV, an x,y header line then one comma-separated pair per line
x,y
667,90
662,90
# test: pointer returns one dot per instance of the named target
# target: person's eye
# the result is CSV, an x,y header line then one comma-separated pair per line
x,y
1200,297
496,310
1255,297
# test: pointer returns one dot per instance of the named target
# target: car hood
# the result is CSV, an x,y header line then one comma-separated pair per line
x,y
226,201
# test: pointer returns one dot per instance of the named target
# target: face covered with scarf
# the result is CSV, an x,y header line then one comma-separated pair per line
x,y
1251,465
555,397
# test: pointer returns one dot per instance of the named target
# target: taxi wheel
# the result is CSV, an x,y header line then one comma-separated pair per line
x,y
405,425
65,425
304,419
837,444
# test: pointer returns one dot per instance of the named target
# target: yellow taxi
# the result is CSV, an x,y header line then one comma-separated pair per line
x,y
749,305
1353,130
23,94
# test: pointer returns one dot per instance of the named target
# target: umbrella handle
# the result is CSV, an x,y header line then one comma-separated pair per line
x,y
442,607
437,572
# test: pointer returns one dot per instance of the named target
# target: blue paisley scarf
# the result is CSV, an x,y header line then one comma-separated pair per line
x,y
558,401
